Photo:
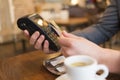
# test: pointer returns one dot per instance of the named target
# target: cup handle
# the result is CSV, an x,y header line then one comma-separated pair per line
x,y
105,71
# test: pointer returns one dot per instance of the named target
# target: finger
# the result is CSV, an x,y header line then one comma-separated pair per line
x,y
63,51
46,47
26,33
66,34
64,42
34,37
38,44
68,51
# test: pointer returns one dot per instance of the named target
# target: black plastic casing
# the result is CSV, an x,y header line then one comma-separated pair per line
x,y
29,22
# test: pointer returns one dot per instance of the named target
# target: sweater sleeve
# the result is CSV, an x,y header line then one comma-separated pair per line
x,y
106,27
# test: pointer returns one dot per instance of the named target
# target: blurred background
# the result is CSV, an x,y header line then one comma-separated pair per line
x,y
70,15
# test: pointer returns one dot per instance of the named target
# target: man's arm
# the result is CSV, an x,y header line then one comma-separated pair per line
x,y
74,45
112,59
107,26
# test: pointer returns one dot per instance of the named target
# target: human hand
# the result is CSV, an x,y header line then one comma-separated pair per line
x,y
74,45
37,40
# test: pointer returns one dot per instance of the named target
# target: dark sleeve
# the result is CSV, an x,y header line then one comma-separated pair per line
x,y
107,26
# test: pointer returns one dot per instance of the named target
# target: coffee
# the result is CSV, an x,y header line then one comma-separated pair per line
x,y
77,64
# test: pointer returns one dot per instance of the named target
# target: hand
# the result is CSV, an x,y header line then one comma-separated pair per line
x,y
36,39
74,45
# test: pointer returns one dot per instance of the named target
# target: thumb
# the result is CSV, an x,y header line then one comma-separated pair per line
x,y
69,35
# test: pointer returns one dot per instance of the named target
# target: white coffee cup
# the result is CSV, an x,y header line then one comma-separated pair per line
x,y
82,67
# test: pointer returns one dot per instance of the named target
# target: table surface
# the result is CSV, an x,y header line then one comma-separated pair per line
x,y
72,21
29,66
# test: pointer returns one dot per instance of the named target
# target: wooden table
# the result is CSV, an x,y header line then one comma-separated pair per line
x,y
72,23
29,67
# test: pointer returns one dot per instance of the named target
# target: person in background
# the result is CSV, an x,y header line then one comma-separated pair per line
x,y
86,42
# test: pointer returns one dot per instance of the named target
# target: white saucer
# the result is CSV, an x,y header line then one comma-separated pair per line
x,y
65,77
